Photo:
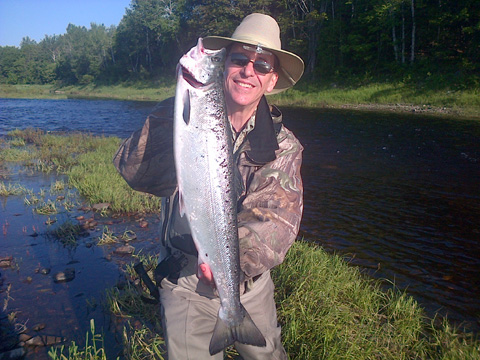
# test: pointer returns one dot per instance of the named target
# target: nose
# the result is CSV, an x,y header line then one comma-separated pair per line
x,y
248,69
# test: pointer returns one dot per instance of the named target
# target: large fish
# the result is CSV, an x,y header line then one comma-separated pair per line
x,y
205,174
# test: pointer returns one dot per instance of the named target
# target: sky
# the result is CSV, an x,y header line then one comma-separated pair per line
x,y
37,18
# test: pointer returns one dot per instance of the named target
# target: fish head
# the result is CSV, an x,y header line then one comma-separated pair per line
x,y
201,67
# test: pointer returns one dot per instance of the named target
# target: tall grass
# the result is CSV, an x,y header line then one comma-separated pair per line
x,y
329,310
97,180
93,350
85,159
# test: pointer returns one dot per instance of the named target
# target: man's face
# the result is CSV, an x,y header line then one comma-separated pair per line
x,y
244,85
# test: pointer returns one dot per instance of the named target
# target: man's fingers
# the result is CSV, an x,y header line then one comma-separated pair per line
x,y
205,274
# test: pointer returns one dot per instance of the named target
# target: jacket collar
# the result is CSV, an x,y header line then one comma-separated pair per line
x,y
263,138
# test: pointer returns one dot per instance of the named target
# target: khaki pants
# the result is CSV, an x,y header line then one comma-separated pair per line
x,y
189,318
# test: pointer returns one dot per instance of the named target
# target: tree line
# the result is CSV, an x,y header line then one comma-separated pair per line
x,y
431,40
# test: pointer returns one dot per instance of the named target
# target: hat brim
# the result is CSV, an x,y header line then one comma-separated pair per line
x,y
291,65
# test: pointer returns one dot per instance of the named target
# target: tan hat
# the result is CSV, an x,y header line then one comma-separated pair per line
x,y
259,29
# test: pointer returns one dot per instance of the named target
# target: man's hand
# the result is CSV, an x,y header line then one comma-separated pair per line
x,y
205,274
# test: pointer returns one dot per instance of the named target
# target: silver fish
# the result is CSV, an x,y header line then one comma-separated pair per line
x,y
205,174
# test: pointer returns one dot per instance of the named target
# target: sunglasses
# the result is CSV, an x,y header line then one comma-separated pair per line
x,y
242,60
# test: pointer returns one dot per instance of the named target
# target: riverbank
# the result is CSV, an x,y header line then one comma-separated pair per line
x,y
328,309
386,97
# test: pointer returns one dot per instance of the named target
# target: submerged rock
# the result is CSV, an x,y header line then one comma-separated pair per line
x,y
38,327
65,276
44,340
14,354
100,206
124,250
44,271
6,261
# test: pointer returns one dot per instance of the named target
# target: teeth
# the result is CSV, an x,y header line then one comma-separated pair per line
x,y
245,85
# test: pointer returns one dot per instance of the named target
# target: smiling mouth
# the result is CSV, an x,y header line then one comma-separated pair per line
x,y
244,85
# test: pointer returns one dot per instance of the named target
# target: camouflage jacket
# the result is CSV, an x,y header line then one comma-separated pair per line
x,y
270,205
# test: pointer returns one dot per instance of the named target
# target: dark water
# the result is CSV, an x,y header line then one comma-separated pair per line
x,y
400,197
101,117
397,195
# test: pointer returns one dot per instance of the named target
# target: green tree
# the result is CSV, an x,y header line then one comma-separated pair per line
x,y
10,69
147,36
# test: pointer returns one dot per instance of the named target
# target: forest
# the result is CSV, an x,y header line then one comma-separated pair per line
x,y
433,42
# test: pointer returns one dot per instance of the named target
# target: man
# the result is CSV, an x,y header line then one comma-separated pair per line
x,y
270,206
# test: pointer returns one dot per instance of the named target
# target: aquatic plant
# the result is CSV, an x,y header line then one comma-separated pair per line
x,y
28,135
11,189
142,343
107,237
57,186
94,348
68,233
124,301
32,200
15,155
47,208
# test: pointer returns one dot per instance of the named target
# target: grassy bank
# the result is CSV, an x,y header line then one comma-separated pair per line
x,y
86,159
139,92
374,96
328,309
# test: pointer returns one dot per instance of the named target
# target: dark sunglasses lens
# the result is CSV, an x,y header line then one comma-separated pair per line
x,y
262,67
242,60
239,59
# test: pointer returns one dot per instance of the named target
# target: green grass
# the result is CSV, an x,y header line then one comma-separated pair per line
x,y
126,91
93,350
28,91
384,96
329,310
85,159
96,179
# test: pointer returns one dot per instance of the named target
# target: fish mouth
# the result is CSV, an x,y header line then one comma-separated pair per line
x,y
188,76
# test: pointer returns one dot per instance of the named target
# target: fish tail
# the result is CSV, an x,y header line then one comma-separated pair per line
x,y
246,333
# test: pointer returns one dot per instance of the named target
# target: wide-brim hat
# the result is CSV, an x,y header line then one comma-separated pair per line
x,y
260,29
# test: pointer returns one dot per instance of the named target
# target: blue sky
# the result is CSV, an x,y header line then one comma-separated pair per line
x,y
37,18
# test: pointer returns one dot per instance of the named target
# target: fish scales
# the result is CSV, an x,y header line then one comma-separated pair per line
x,y
205,174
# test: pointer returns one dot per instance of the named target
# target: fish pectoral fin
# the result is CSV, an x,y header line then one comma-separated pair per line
x,y
186,107
245,333
181,204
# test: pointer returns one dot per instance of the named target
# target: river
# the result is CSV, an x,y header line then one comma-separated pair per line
x,y
396,195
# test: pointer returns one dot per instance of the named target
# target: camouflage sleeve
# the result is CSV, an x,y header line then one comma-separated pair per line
x,y
145,159
270,214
